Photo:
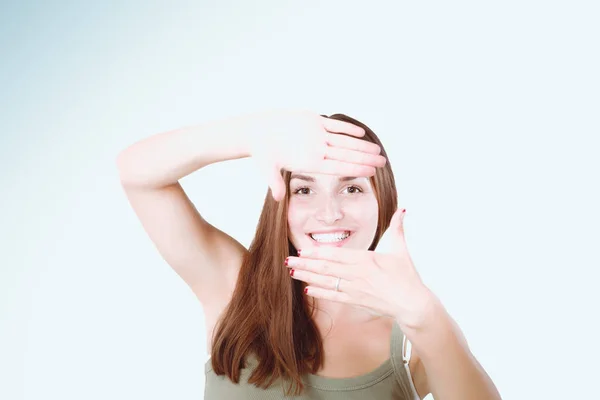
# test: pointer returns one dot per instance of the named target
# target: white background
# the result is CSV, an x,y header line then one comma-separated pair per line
x,y
489,112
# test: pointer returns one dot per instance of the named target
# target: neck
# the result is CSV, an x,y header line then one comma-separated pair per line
x,y
331,316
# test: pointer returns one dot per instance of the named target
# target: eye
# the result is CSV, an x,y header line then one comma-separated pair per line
x,y
355,189
302,189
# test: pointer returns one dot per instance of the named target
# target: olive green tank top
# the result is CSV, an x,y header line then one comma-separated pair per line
x,y
390,381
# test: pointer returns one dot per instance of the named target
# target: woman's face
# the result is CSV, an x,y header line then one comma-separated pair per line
x,y
328,210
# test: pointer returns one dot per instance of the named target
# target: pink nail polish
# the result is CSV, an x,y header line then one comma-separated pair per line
x,y
291,272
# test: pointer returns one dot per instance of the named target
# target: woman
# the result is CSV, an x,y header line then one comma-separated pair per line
x,y
311,309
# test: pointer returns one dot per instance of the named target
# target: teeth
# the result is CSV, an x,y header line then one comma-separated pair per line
x,y
329,237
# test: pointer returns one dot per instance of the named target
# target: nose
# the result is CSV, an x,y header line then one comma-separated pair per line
x,y
329,211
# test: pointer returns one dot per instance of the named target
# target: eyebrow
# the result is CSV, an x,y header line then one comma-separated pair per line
x,y
311,179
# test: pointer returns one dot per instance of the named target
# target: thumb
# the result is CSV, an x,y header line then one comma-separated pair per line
x,y
271,173
397,223
276,184
392,240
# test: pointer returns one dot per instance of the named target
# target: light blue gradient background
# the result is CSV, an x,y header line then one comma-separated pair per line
x,y
490,113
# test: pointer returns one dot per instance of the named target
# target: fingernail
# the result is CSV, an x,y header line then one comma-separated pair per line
x,y
305,290
291,272
286,261
298,252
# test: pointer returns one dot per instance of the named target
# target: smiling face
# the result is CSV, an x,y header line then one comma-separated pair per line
x,y
328,210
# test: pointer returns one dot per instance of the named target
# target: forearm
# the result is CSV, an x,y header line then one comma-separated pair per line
x,y
452,370
164,158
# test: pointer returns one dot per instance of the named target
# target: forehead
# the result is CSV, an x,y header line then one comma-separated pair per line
x,y
325,179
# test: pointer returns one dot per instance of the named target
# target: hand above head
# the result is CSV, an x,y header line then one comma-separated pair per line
x,y
303,141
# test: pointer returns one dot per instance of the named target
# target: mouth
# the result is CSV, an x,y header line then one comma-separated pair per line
x,y
330,239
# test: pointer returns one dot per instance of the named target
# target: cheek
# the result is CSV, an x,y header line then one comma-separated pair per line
x,y
371,216
366,208
296,218
367,214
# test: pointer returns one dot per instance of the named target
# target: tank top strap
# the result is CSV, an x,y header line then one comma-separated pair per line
x,y
399,362
396,347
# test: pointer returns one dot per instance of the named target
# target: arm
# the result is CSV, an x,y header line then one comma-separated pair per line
x,y
443,363
162,159
206,258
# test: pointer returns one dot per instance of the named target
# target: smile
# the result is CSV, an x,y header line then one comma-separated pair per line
x,y
335,238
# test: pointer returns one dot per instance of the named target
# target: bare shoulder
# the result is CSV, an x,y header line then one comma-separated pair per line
x,y
419,376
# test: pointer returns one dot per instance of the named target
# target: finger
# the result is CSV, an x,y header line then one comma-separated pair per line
x,y
335,125
341,168
321,267
338,254
354,157
327,282
351,143
327,294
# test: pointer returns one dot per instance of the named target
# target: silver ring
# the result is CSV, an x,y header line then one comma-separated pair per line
x,y
337,284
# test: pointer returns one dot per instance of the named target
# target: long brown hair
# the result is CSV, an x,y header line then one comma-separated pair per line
x,y
269,315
